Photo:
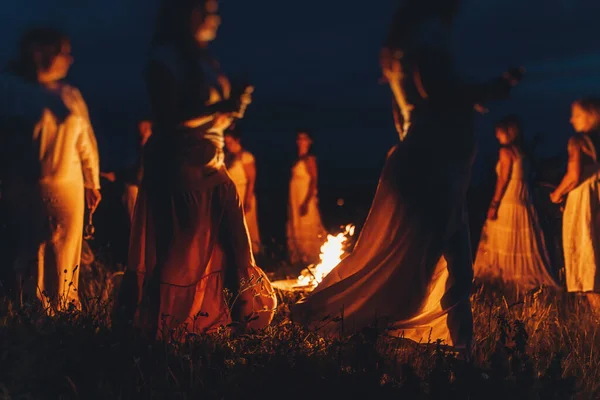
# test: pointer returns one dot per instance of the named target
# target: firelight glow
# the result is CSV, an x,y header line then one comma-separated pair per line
x,y
332,252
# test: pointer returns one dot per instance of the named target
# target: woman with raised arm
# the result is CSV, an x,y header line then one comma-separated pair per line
x,y
242,169
581,218
512,248
305,231
55,172
189,244
411,271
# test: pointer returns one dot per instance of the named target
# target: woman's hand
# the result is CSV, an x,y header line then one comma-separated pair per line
x,y
513,76
492,214
92,199
556,198
109,176
222,121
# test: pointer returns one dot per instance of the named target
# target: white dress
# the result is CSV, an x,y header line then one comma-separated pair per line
x,y
512,247
580,226
238,176
305,234
50,209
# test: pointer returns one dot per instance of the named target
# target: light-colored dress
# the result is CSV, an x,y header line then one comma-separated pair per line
x,y
512,248
51,208
305,234
238,176
581,225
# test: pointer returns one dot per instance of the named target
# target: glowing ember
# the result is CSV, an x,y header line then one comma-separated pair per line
x,y
332,252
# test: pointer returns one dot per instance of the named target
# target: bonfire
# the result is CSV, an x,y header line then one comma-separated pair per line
x,y
332,252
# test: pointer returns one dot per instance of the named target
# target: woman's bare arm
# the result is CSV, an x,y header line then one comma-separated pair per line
x,y
311,166
250,170
505,162
571,178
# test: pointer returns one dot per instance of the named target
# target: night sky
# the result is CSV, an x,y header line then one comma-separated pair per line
x,y
315,64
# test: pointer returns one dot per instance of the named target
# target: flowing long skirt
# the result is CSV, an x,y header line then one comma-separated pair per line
x,y
190,258
512,248
411,269
581,220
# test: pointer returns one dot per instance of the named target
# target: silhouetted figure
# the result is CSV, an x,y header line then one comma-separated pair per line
x,y
411,269
189,241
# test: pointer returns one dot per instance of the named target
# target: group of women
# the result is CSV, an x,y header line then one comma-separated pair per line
x,y
191,262
512,248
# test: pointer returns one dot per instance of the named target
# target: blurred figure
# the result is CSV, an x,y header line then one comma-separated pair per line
x,y
512,247
242,169
189,244
581,218
131,176
51,177
305,231
410,272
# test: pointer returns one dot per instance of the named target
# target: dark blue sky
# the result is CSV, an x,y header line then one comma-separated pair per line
x,y
314,63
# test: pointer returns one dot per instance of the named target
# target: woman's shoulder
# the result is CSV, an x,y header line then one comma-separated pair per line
x,y
247,157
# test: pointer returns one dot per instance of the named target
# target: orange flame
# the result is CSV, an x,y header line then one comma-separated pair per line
x,y
332,252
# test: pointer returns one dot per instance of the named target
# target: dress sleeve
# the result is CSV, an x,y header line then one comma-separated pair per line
x,y
88,152
87,144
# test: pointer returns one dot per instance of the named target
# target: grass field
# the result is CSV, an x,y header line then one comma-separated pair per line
x,y
541,345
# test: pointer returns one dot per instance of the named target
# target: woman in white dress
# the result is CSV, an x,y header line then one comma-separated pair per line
x,y
305,231
512,248
56,169
581,217
242,170
410,272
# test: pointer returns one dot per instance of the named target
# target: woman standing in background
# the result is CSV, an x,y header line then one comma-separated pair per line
x,y
305,231
242,169
581,218
512,247
56,169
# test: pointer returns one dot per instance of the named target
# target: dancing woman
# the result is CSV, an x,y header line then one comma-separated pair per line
x,y
411,269
581,218
189,244
512,248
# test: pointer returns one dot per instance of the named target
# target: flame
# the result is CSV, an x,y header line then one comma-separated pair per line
x,y
332,252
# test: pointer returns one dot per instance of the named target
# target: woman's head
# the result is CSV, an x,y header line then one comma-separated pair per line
x,y
304,142
413,13
233,140
508,131
585,114
44,55
182,21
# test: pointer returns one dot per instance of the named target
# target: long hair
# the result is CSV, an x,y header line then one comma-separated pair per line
x,y
174,20
591,105
413,12
37,49
511,124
